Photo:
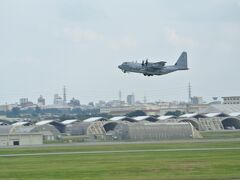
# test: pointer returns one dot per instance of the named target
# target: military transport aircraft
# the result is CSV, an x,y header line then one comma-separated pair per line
x,y
157,68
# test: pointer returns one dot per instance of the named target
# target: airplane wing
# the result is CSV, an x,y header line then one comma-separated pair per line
x,y
157,65
161,63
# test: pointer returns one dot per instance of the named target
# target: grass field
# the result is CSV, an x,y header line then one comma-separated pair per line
x,y
220,134
219,164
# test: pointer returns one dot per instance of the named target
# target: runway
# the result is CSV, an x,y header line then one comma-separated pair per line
x,y
125,142
120,151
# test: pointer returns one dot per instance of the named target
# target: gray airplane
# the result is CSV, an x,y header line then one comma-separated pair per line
x,y
157,68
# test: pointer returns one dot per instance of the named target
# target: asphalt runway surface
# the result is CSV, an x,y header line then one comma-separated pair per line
x,y
120,151
128,142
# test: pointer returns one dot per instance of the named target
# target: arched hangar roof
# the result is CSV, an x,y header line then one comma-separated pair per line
x,y
145,118
122,118
69,121
235,114
93,119
192,115
210,115
21,123
162,118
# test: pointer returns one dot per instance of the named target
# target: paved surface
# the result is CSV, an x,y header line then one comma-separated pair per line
x,y
127,142
122,151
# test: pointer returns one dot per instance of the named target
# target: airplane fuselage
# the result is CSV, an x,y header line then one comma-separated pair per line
x,y
148,71
158,68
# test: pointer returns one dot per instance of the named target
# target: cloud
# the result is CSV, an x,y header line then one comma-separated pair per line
x,y
80,35
178,40
122,43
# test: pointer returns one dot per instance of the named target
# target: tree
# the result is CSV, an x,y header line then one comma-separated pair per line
x,y
15,112
66,117
174,113
136,113
38,110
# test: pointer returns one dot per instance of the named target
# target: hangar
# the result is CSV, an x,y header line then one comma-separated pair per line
x,y
7,138
92,124
212,121
161,131
141,131
58,125
137,128
47,128
49,132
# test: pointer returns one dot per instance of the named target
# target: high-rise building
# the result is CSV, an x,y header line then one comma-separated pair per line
x,y
131,99
41,101
23,101
57,100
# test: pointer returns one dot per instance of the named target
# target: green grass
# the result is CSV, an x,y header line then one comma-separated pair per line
x,y
224,164
220,134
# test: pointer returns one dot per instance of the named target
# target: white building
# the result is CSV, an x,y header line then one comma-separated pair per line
x,y
8,138
231,100
57,100
21,139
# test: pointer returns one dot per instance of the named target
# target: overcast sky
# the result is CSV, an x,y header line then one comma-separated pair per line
x,y
45,44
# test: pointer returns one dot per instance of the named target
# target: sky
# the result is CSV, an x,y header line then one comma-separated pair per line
x,y
46,44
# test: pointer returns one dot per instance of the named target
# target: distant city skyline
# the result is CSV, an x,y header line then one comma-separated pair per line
x,y
47,44
124,95
58,98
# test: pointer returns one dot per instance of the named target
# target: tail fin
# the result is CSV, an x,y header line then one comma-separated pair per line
x,y
182,61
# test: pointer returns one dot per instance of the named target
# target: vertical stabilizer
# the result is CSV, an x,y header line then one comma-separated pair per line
x,y
182,61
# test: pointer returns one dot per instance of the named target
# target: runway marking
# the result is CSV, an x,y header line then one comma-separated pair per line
x,y
120,151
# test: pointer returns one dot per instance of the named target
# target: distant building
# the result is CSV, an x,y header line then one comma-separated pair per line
x,y
91,104
74,102
57,100
131,99
215,101
41,101
100,104
8,137
231,100
114,103
5,108
196,100
25,103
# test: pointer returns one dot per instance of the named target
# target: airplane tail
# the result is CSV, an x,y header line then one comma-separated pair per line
x,y
182,61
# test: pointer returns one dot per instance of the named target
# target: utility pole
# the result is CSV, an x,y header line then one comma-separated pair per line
x,y
120,95
189,93
189,97
64,95
145,99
